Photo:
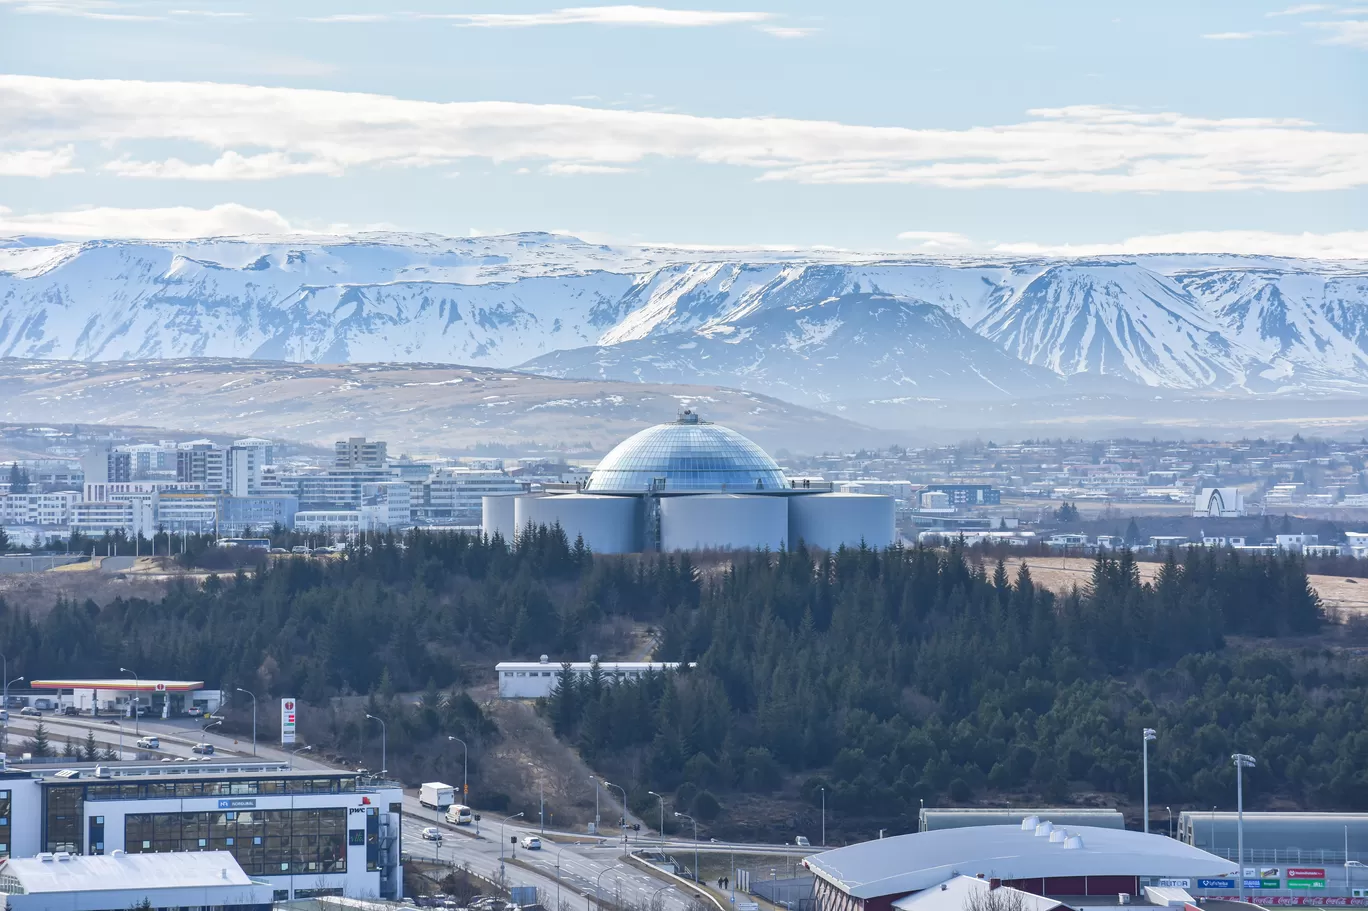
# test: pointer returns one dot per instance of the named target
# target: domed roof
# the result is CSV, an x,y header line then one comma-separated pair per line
x,y
686,455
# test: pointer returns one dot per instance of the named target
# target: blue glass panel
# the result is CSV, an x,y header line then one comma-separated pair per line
x,y
687,455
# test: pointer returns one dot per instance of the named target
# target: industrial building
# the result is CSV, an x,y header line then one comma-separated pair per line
x,y
1073,866
537,679
694,485
1280,838
305,834
207,880
932,819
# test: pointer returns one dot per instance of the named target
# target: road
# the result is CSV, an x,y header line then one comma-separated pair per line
x,y
581,865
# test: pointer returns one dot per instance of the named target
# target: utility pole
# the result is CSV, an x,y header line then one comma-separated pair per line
x,y
824,817
253,695
662,819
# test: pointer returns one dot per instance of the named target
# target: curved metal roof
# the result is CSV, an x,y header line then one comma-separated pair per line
x,y
909,863
686,455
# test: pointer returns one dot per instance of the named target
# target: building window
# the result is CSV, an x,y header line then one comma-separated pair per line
x,y
62,824
4,823
264,842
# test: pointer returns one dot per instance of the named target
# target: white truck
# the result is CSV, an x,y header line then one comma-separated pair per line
x,y
436,796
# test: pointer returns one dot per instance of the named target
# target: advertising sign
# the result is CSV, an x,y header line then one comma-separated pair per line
x,y
1175,883
237,803
1305,883
287,720
1306,873
1318,901
1215,884
1261,884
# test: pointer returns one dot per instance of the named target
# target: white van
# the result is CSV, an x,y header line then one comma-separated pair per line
x,y
459,815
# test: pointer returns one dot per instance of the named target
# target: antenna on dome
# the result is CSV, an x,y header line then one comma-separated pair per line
x,y
687,416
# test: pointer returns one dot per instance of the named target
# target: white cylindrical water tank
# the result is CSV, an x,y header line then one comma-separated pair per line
x,y
607,524
496,517
828,520
724,521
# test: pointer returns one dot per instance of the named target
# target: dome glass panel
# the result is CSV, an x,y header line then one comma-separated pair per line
x,y
686,455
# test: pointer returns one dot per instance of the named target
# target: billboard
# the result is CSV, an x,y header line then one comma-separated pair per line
x,y
287,720
1306,873
1215,884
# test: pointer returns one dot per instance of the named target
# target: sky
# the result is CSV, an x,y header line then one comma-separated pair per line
x,y
901,125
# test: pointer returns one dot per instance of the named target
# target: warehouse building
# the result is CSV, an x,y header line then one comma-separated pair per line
x,y
933,819
694,485
538,679
1073,866
306,834
208,880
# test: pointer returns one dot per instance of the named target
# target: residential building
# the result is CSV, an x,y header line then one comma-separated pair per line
x,y
356,452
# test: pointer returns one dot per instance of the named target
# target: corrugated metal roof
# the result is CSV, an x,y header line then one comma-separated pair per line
x,y
106,872
908,863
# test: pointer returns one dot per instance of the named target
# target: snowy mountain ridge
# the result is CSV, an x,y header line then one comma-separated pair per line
x,y
553,302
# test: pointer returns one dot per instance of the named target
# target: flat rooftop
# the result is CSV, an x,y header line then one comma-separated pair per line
x,y
112,683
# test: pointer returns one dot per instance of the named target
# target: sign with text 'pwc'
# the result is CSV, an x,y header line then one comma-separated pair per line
x,y
287,720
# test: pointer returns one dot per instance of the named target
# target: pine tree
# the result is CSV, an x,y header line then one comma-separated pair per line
x,y
40,745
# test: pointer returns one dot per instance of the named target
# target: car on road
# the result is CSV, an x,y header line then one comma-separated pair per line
x,y
432,833
149,743
802,842
206,749
29,710
70,710
531,842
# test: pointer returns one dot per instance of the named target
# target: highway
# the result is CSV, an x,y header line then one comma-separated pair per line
x,y
580,863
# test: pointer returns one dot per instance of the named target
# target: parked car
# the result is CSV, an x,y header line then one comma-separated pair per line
x,y
29,710
299,549
149,743
432,833
70,710
206,749
531,842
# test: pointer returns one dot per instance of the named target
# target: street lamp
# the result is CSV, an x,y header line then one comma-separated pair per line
x,y
384,744
1149,735
6,706
559,851
253,695
824,817
134,700
656,895
662,818
1242,761
294,753
501,835
598,881
465,769
1169,810
597,818
679,815
609,784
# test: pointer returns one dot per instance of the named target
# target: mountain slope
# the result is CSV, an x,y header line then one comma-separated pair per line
x,y
855,346
426,406
1210,323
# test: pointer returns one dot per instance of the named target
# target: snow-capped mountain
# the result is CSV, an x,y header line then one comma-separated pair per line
x,y
838,349
1200,323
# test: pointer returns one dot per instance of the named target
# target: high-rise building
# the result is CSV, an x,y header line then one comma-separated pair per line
x,y
355,452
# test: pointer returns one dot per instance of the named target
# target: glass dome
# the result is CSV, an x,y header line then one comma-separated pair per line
x,y
686,455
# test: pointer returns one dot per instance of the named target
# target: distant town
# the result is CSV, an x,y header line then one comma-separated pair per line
x,y
91,483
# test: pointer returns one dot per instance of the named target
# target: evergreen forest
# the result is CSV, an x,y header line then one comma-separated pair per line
x,y
877,680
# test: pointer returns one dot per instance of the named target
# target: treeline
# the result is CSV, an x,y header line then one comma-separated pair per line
x,y
891,678
884,677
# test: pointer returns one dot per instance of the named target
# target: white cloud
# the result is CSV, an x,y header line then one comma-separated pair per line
x,y
574,167
1231,36
1299,10
1337,245
937,240
84,9
208,13
784,31
607,15
168,223
228,166
350,17
254,132
1349,32
37,162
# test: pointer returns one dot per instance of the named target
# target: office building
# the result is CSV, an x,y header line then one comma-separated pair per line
x,y
356,452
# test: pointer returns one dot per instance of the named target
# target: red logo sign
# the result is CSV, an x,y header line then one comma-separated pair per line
x,y
365,800
1306,873
289,706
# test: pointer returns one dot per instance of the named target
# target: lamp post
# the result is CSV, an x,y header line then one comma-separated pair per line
x,y
465,769
559,851
136,730
609,784
253,695
597,817
598,881
204,731
1145,742
662,818
657,895
1242,761
7,686
1169,810
501,837
295,753
824,817
680,815
384,744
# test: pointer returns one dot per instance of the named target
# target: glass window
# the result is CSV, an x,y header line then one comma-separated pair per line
x,y
65,805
